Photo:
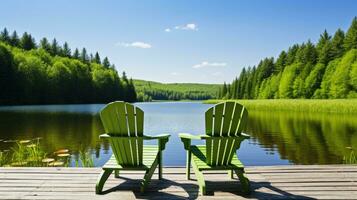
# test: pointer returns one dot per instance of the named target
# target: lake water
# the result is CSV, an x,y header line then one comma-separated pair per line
x,y
278,138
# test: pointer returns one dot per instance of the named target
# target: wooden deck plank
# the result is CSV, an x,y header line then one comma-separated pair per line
x,y
268,182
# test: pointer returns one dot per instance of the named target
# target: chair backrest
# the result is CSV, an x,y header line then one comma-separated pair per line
x,y
224,123
125,123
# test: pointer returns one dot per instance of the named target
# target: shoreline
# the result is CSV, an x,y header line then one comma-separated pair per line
x,y
342,106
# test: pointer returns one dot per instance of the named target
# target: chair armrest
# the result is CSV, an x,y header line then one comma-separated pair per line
x,y
105,135
186,139
163,139
245,136
155,137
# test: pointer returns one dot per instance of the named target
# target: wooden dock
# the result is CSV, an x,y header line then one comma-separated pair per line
x,y
271,182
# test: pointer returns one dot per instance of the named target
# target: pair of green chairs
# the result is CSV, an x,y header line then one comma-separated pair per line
x,y
124,124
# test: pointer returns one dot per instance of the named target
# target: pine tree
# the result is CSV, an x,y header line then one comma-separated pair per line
x,y
27,42
224,90
44,44
291,54
323,48
351,36
66,51
97,58
4,36
106,62
84,56
14,39
337,48
324,38
55,50
280,62
76,54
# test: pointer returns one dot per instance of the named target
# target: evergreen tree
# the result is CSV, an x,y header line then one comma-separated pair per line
x,y
84,56
350,41
224,90
27,42
66,51
106,62
280,62
76,54
291,54
324,38
4,36
55,49
324,48
44,44
97,58
337,48
14,39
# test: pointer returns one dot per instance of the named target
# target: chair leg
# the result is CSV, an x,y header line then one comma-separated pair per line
x,y
188,165
101,180
231,174
200,179
147,178
116,173
160,165
243,180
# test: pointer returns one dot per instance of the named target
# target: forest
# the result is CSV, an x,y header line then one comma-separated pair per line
x,y
151,90
50,73
325,70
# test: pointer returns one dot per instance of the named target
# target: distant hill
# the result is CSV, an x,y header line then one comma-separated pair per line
x,y
151,90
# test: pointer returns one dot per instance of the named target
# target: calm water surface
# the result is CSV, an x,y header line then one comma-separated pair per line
x,y
277,137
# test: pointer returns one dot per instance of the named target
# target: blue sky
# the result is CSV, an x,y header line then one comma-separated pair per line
x,y
179,41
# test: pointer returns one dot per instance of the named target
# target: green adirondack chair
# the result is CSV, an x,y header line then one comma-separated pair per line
x,y
224,124
124,124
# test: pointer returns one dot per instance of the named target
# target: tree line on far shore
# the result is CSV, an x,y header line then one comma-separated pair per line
x,y
50,73
325,70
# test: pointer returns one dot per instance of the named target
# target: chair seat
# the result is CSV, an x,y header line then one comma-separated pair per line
x,y
199,157
150,152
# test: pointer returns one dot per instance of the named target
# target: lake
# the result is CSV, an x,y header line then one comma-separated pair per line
x,y
278,138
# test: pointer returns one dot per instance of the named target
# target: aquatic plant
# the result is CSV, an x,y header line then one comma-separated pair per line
x,y
84,159
27,153
4,158
351,158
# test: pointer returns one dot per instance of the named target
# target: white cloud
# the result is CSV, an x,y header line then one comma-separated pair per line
x,y
209,64
187,27
142,45
191,27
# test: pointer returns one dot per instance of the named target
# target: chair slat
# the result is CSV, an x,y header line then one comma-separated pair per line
x,y
124,120
218,116
139,121
224,123
209,121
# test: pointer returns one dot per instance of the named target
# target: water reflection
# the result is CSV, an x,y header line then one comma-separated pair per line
x,y
305,138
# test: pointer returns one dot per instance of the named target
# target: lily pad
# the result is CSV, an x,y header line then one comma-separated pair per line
x,y
61,151
63,155
56,164
48,160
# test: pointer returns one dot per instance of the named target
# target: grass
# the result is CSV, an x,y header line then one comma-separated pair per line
x,y
346,106
351,158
